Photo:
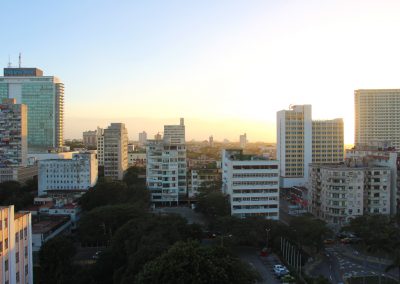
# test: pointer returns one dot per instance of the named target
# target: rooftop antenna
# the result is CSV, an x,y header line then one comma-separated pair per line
x,y
9,62
19,60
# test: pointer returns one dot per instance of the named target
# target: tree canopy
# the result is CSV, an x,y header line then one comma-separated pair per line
x,y
188,262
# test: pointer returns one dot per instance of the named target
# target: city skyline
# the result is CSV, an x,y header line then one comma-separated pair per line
x,y
226,66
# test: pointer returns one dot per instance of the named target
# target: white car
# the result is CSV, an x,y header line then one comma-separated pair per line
x,y
280,270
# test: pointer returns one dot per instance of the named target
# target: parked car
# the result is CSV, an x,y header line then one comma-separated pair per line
x,y
329,241
280,270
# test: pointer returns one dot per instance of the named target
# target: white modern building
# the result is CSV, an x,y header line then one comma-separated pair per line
x,y
377,116
166,165
112,149
76,174
15,246
252,184
301,141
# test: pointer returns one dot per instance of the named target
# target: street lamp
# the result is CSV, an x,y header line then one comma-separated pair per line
x,y
267,230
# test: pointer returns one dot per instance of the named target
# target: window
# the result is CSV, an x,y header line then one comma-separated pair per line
x,y
6,244
5,222
26,269
16,257
16,237
26,251
17,276
6,265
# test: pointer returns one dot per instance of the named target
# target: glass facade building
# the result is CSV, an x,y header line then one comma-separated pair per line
x,y
44,97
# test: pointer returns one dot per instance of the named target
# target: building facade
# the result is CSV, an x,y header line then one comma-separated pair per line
x,y
44,97
142,138
202,178
115,151
301,141
252,184
377,116
243,141
16,247
166,165
340,192
13,134
76,174
90,138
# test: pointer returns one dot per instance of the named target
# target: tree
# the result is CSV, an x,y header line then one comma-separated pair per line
x,y
131,177
213,204
99,225
13,193
188,262
56,261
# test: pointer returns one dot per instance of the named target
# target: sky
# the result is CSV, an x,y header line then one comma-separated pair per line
x,y
226,66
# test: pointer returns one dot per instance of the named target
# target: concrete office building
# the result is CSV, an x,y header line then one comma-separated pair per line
x,y
76,174
100,146
115,150
252,184
13,134
16,247
44,97
301,141
166,165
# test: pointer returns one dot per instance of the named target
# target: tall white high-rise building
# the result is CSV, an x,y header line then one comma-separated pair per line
x,y
301,141
166,165
252,184
377,116
16,264
115,150
100,146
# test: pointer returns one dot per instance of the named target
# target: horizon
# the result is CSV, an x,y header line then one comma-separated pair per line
x,y
210,62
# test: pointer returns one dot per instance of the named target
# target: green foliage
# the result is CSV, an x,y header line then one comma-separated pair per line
x,y
56,261
13,193
309,231
99,225
213,204
115,192
191,263
131,177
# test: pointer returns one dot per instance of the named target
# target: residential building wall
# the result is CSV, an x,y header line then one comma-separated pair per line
x,y
90,138
142,138
16,246
100,146
252,185
327,141
115,151
136,159
377,116
78,173
340,192
13,134
166,165
44,97
202,178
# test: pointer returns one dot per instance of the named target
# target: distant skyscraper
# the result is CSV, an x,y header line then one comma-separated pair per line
x,y
300,141
115,151
142,138
100,146
243,141
13,134
211,141
166,165
377,116
44,97
90,138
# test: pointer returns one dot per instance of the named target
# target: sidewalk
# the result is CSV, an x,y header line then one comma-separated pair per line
x,y
354,254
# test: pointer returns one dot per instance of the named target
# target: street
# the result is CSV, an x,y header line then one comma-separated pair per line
x,y
342,261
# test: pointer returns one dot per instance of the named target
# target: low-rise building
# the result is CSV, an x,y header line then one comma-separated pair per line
x,y
15,246
21,174
136,159
202,178
78,173
252,184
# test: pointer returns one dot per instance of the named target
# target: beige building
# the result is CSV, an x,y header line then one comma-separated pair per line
x,y
15,246
377,116
301,141
90,138
115,147
327,141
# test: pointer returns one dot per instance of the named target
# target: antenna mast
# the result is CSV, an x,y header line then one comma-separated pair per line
x,y
19,60
9,62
